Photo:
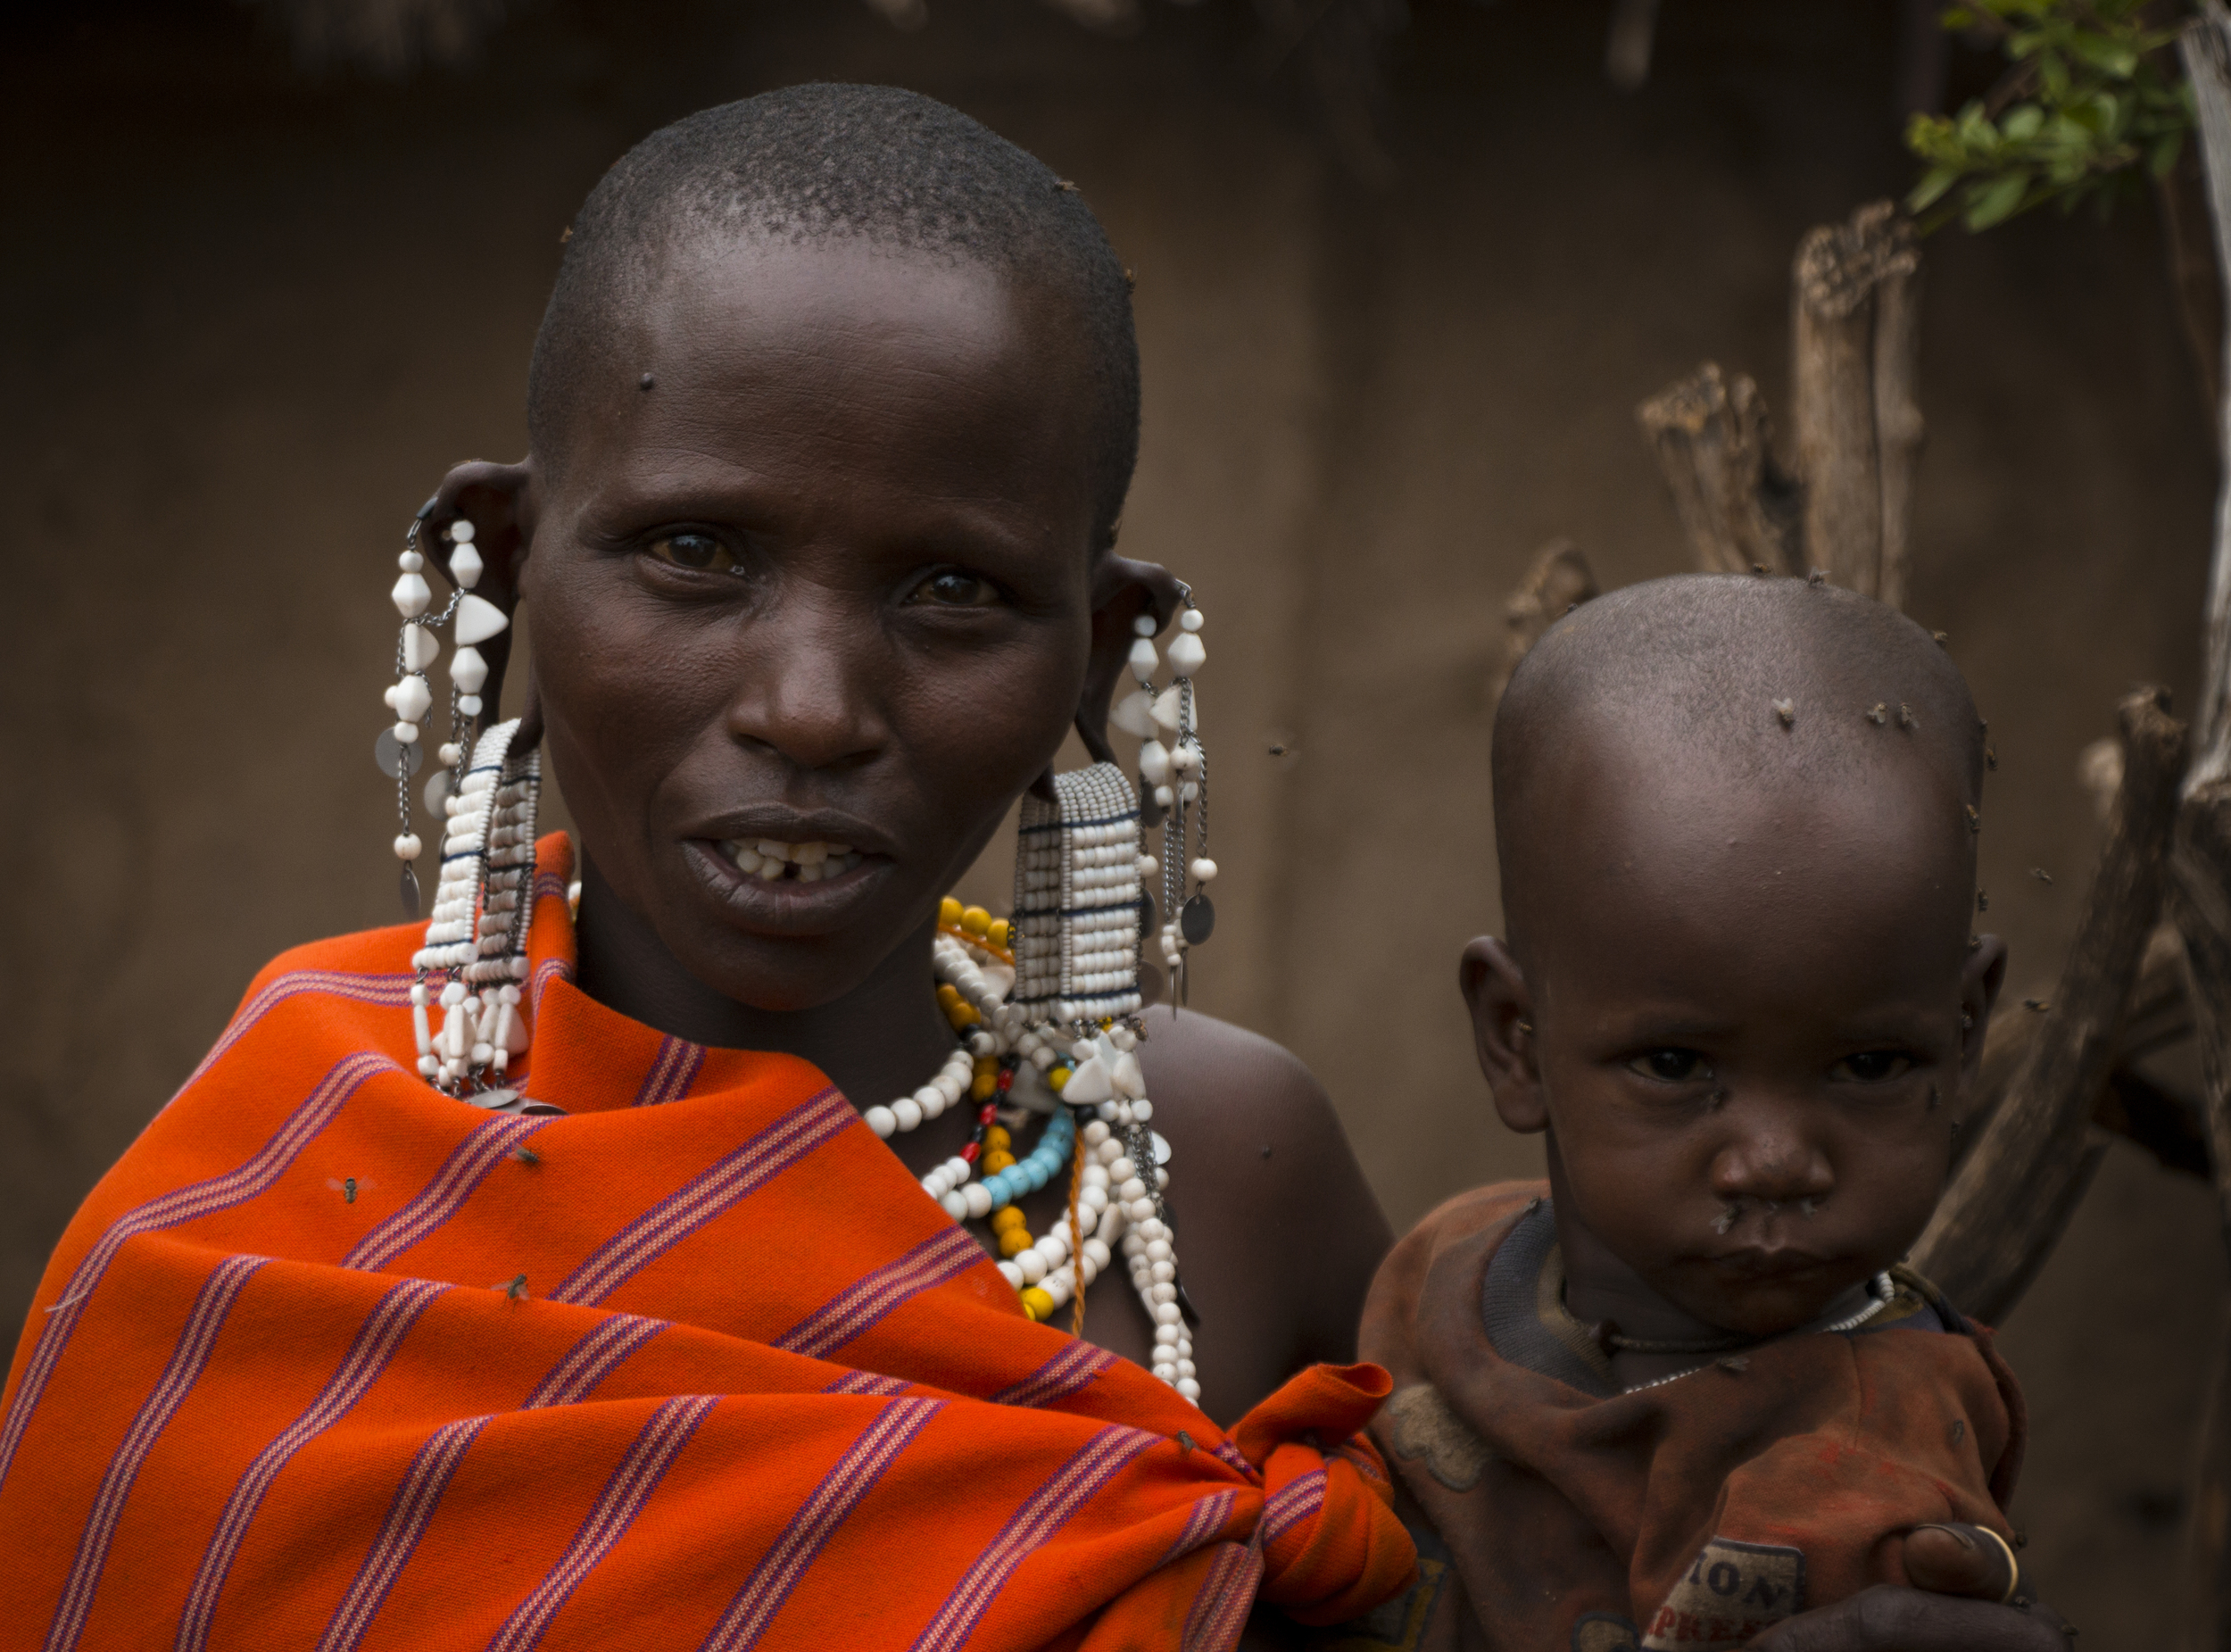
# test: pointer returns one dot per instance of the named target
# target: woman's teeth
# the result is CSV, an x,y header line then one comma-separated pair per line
x,y
805,863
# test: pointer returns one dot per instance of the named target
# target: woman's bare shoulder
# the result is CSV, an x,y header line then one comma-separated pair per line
x,y
1263,1171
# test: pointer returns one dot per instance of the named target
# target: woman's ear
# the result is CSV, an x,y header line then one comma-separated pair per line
x,y
1502,1033
494,499
1980,979
1122,591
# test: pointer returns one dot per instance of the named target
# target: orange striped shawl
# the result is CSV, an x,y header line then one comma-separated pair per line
x,y
759,1391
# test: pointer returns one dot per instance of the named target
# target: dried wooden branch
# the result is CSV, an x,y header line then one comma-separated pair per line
x,y
1839,271
1714,444
1559,580
2011,1196
1899,429
2205,46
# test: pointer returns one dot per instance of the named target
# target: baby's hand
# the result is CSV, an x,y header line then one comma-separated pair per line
x,y
1961,1560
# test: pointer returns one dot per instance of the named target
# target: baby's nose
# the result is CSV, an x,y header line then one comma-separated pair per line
x,y
1773,1164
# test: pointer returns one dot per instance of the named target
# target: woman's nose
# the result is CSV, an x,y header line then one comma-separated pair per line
x,y
805,691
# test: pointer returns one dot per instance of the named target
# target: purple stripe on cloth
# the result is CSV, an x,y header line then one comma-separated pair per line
x,y
549,970
623,1498
198,1200
570,1380
1066,1492
1296,1500
376,1339
673,1070
485,1147
592,1359
415,1500
388,991
817,1518
930,1263
867,1383
1063,1374
750,1167
203,1321
1207,1518
1220,1611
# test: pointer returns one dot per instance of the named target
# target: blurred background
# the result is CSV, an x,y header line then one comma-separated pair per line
x,y
1402,278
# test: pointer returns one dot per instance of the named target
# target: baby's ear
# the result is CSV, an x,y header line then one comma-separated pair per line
x,y
1502,1033
1980,978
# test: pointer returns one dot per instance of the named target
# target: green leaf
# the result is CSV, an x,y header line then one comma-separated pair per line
x,y
1957,19
1932,189
1997,201
2020,123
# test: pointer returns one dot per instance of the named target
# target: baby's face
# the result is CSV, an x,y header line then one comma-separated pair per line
x,y
1749,1004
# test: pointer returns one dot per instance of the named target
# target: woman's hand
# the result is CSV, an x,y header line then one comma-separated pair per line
x,y
1889,1619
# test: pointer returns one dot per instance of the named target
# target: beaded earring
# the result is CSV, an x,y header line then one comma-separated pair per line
x,y
399,751
1173,783
474,957
474,960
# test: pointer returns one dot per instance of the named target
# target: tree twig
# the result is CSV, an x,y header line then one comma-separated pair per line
x,y
2011,1198
1714,444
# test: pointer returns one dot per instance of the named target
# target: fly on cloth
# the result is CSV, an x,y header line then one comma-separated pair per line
x,y
330,1360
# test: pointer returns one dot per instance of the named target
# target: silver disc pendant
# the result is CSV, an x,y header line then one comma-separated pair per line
x,y
396,760
1150,983
437,793
1198,920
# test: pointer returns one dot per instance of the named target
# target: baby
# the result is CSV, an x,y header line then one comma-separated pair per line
x,y
1686,1390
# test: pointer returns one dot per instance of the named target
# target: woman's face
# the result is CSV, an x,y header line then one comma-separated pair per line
x,y
813,566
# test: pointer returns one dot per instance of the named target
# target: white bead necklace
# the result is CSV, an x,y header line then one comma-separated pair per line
x,y
1117,1201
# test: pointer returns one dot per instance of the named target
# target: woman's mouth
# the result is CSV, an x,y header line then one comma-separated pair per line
x,y
773,861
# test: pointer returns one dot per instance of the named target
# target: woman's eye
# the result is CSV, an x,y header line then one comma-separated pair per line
x,y
1872,1067
952,588
698,552
1671,1066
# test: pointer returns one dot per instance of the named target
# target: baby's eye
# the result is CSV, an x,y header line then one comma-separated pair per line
x,y
698,552
1872,1067
954,587
1671,1066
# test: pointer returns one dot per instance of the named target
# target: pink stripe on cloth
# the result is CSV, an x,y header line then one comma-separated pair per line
x,y
1220,1611
673,1070
203,1321
1296,1500
1075,1484
930,1263
415,1501
1207,1518
382,1333
816,1520
487,1146
1063,1374
570,1380
623,1498
184,1205
750,1167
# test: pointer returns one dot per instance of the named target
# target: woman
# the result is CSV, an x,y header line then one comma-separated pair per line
x,y
831,419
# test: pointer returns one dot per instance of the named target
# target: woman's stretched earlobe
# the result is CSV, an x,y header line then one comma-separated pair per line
x,y
1122,590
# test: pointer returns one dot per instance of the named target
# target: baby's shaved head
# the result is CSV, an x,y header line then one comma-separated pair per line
x,y
1762,685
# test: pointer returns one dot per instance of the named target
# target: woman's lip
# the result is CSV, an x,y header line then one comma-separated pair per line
x,y
781,906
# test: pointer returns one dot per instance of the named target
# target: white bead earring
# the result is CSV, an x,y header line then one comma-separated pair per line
x,y
399,750
1174,783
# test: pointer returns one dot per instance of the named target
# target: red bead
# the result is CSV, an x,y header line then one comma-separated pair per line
x,y
1006,1079
987,1113
971,1150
